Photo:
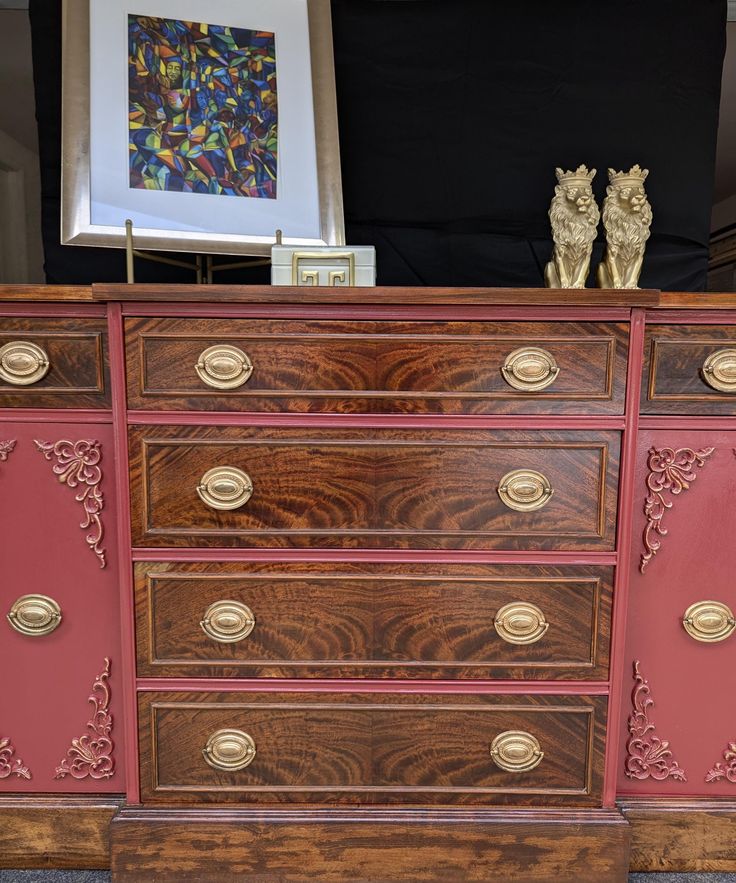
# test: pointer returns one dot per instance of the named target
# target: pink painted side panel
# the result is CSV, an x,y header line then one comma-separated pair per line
x,y
693,684
46,681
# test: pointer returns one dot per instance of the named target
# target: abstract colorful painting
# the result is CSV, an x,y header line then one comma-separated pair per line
x,y
202,108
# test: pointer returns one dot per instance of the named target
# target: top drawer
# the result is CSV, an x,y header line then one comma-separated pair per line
x,y
689,369
53,363
376,367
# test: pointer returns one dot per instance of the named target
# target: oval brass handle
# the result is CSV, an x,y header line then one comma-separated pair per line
x,y
23,363
530,368
520,623
225,488
525,490
228,621
229,750
35,615
224,367
719,370
516,751
709,621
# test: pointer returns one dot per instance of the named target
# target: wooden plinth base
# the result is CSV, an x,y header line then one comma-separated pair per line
x,y
209,846
56,832
681,835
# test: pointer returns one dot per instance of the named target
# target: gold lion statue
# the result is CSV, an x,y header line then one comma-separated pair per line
x,y
574,217
627,217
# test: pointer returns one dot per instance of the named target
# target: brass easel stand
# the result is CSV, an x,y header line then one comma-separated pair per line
x,y
203,265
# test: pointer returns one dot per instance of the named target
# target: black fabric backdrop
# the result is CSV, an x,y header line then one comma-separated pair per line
x,y
453,117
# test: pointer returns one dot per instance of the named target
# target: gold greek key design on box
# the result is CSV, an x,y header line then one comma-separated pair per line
x,y
725,771
229,750
78,466
23,363
516,751
9,764
669,470
35,615
719,370
300,276
709,621
647,756
520,623
90,756
6,449
224,366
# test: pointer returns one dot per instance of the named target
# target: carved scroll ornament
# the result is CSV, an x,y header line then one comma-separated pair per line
x,y
724,771
77,466
90,756
10,765
6,449
647,756
669,470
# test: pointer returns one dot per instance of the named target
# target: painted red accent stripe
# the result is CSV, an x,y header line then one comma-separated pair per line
x,y
53,415
53,310
691,317
624,538
684,421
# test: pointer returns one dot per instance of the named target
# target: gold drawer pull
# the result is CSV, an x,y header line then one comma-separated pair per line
x,y
516,751
520,623
23,363
525,490
35,615
709,621
224,367
530,368
229,750
225,488
719,370
228,621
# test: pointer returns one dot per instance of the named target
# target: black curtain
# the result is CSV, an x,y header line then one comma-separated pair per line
x,y
453,117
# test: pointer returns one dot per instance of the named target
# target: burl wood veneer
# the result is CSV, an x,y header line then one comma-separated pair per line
x,y
78,374
372,748
376,367
373,488
372,620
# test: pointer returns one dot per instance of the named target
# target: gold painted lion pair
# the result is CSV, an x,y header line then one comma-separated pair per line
x,y
574,215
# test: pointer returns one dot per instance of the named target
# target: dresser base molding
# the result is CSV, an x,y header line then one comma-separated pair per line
x,y
56,832
534,846
681,835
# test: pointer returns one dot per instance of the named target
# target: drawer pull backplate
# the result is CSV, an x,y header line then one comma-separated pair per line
x,y
719,370
23,363
520,623
525,490
225,488
224,367
709,621
516,751
530,369
229,750
35,615
228,621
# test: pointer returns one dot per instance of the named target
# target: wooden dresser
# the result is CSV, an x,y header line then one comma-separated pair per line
x,y
350,590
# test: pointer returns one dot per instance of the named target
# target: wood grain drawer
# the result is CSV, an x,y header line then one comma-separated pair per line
x,y
374,487
375,367
69,357
372,620
371,748
689,369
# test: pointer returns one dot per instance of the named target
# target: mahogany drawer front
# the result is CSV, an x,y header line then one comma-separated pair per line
x,y
372,620
370,748
373,488
53,363
376,367
689,369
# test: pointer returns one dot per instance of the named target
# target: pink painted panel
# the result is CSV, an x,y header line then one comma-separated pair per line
x,y
692,684
47,680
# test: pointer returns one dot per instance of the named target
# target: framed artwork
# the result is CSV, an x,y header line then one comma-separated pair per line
x,y
209,125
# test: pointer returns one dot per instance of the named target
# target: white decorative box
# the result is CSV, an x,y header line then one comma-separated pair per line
x,y
333,266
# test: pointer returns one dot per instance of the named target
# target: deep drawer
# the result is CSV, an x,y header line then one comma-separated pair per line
x,y
689,369
277,486
376,367
53,363
372,620
371,748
